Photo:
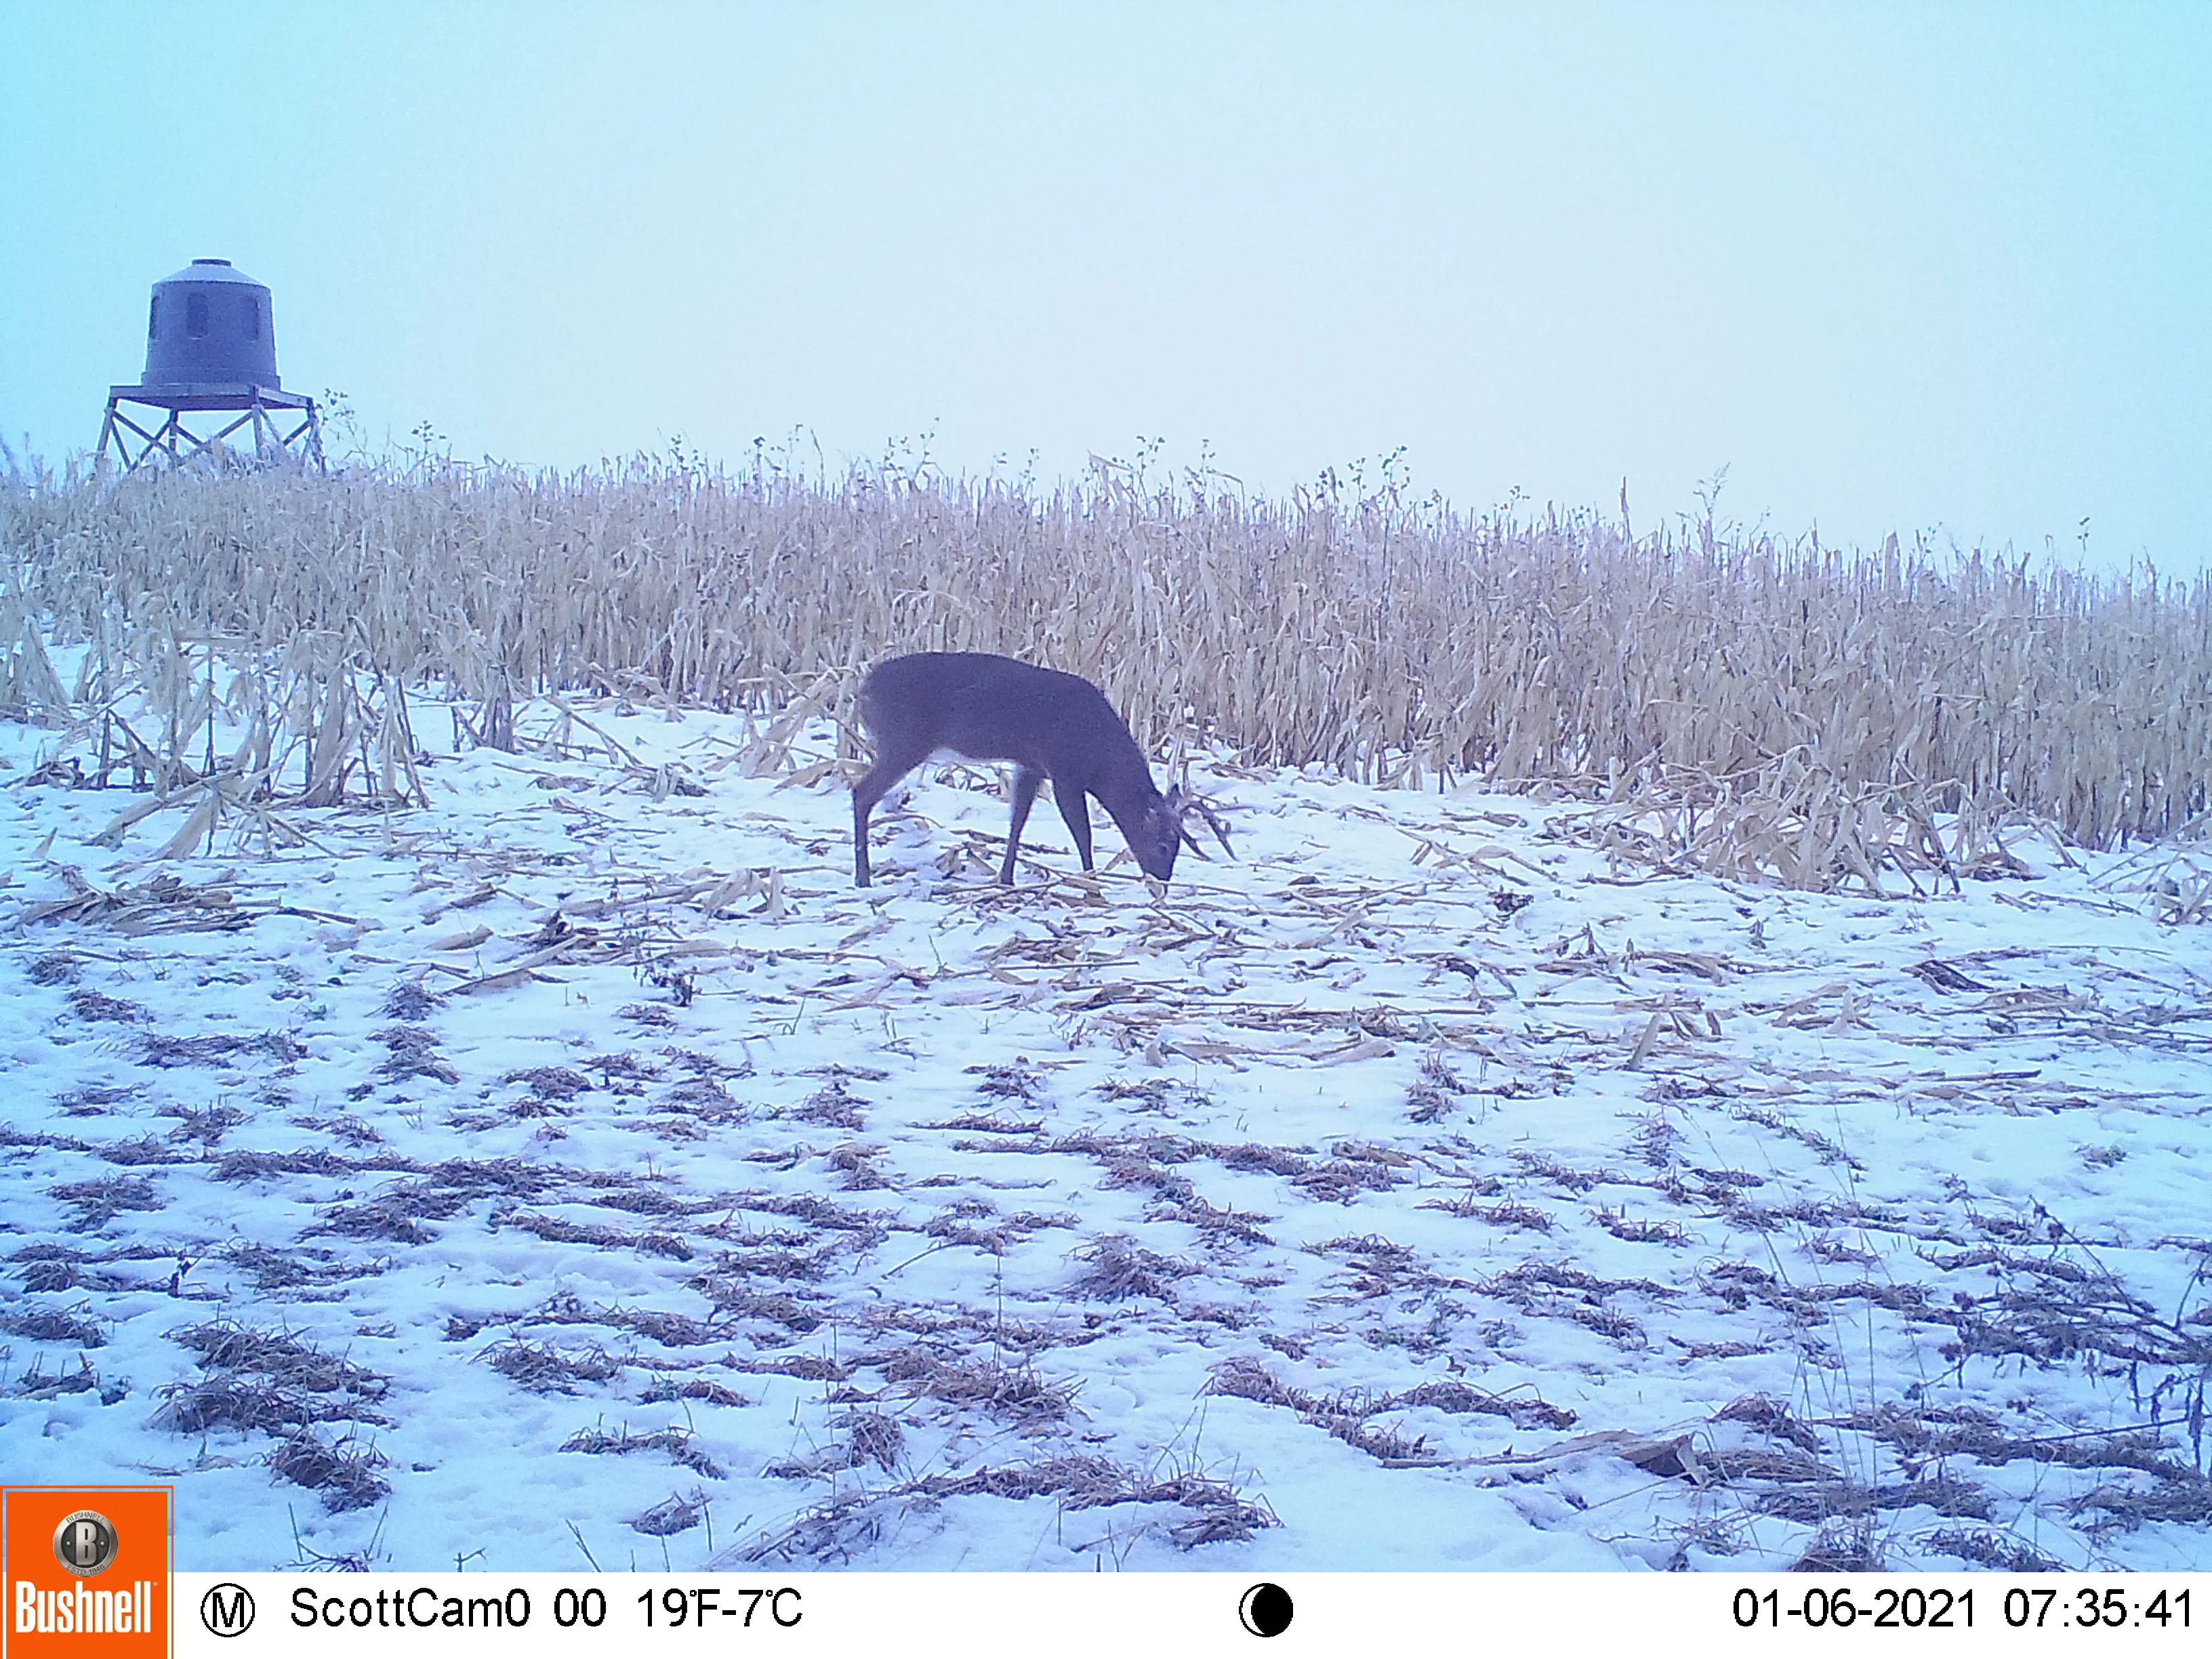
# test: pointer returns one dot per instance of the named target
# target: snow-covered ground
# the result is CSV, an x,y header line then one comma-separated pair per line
x,y
584,1168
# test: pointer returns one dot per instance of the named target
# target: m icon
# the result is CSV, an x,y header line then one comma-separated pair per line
x,y
228,1610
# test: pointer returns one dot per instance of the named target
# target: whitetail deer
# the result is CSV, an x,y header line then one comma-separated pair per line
x,y
1048,724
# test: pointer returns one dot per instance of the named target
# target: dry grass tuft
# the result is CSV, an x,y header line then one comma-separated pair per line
x,y
267,1381
1987,1547
673,1513
545,1370
676,1442
1120,1268
849,1524
1015,1393
344,1472
72,1326
1348,1416
1842,1545
100,1201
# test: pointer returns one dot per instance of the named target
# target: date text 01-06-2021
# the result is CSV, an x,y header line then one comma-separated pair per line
x,y
1914,1608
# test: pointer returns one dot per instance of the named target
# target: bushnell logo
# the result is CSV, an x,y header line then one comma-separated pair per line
x,y
85,1543
84,1572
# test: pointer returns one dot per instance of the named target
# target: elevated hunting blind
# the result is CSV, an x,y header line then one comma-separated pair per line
x,y
210,348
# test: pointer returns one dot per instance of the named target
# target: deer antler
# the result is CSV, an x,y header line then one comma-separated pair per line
x,y
1183,804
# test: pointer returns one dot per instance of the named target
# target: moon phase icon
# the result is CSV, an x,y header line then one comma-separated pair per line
x,y
1265,1610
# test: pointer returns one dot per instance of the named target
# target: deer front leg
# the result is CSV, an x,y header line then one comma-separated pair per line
x,y
1026,783
1075,810
860,809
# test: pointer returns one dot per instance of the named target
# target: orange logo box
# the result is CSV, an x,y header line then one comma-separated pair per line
x,y
84,1572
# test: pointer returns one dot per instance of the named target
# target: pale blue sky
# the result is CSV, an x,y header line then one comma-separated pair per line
x,y
1913,267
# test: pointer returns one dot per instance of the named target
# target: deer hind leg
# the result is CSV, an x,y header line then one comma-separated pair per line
x,y
1026,783
881,779
1075,810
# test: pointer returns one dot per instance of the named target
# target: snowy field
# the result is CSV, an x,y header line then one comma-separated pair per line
x,y
583,1171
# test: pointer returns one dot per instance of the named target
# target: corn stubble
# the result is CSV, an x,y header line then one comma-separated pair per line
x,y
1762,709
